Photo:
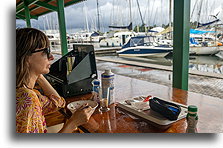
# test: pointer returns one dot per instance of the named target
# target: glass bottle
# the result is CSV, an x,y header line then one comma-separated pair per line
x,y
96,90
107,80
192,119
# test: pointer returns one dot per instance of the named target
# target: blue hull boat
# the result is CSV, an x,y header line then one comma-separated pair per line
x,y
144,46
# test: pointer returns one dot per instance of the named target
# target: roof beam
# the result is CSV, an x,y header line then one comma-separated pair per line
x,y
31,16
20,16
20,6
36,7
19,3
67,4
46,5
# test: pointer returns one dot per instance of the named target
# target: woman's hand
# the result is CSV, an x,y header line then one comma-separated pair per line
x,y
79,117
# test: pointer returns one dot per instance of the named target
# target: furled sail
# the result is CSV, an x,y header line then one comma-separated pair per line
x,y
206,24
129,27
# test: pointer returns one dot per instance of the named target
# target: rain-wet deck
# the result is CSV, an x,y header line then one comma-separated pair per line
x,y
200,82
203,84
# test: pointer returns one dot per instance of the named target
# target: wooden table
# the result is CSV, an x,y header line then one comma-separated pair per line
x,y
210,110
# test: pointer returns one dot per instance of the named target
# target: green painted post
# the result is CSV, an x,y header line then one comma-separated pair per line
x,y
181,29
27,13
62,26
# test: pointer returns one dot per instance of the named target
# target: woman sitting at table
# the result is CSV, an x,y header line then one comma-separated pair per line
x,y
33,59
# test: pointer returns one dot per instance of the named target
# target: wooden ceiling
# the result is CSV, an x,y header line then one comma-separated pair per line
x,y
40,7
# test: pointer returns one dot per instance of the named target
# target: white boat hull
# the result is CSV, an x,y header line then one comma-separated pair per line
x,y
206,50
110,42
155,55
144,51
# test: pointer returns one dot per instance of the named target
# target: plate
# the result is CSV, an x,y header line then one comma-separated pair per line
x,y
143,111
73,106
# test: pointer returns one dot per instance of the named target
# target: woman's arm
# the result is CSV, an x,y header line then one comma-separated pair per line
x,y
51,100
46,86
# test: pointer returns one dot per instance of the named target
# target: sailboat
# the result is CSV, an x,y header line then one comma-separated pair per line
x,y
87,36
117,39
201,44
120,35
203,41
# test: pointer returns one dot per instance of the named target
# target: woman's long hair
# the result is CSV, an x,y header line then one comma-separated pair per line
x,y
27,40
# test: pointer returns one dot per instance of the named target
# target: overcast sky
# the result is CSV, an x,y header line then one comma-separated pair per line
x,y
117,12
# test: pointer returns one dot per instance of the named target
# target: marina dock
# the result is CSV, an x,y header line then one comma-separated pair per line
x,y
159,67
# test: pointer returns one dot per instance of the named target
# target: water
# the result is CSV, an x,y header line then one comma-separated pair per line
x,y
210,63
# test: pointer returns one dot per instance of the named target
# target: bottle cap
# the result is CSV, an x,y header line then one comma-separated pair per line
x,y
96,82
192,108
107,70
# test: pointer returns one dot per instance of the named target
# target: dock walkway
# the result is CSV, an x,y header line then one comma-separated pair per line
x,y
160,67
210,85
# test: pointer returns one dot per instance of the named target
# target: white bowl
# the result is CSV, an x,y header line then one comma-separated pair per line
x,y
73,106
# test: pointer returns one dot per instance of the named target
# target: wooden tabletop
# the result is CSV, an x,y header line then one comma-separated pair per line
x,y
210,110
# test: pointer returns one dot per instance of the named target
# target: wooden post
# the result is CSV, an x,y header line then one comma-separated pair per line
x,y
62,26
27,13
181,29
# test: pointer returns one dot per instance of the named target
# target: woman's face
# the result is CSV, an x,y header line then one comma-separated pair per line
x,y
39,63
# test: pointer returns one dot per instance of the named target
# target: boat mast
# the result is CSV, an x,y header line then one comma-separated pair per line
x,y
130,13
140,13
199,12
86,18
98,17
192,14
170,17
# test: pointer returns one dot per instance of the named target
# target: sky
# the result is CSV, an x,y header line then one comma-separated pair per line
x,y
117,12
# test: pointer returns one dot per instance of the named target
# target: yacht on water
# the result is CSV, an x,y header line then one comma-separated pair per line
x,y
119,38
54,37
206,46
85,37
144,46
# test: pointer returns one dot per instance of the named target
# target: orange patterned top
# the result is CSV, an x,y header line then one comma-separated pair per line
x,y
31,107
